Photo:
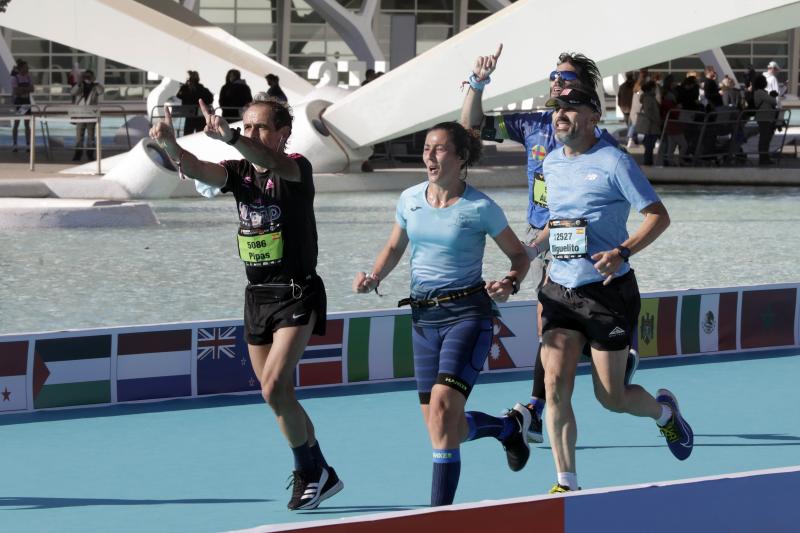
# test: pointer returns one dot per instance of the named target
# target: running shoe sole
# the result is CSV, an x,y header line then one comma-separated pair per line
x,y
631,365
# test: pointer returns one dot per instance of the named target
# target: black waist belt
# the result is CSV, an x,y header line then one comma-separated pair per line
x,y
449,297
278,291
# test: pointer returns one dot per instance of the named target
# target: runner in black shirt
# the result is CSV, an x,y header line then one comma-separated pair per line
x,y
277,241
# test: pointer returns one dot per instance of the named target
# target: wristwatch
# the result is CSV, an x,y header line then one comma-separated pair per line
x,y
514,284
624,252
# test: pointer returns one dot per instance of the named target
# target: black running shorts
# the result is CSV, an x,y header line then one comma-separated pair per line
x,y
605,315
271,307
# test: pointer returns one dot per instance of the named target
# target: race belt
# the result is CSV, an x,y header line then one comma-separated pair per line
x,y
449,297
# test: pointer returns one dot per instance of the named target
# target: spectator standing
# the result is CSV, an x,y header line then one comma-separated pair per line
x,y
773,85
85,94
190,93
625,97
711,89
673,128
21,87
648,122
234,95
275,90
765,105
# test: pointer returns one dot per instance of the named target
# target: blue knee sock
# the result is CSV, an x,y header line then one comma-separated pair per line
x,y
482,425
446,471
316,453
303,459
538,404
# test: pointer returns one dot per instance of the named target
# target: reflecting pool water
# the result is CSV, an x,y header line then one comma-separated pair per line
x,y
187,268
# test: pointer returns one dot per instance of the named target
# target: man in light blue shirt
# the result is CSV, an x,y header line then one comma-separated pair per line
x,y
591,294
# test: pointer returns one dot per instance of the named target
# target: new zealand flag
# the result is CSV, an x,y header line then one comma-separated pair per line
x,y
223,364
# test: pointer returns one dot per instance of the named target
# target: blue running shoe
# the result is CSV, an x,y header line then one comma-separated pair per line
x,y
680,438
631,366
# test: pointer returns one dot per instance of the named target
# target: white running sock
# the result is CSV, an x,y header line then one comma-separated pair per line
x,y
568,479
666,414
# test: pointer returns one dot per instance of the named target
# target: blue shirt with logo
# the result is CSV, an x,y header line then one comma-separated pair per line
x,y
447,243
535,132
600,185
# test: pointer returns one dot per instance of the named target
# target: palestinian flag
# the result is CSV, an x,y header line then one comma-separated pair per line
x,y
72,371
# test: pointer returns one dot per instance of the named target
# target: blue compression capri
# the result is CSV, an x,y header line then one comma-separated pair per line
x,y
451,355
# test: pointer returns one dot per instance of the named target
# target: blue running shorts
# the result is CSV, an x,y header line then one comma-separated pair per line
x,y
451,355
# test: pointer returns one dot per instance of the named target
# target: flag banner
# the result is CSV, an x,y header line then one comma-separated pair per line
x,y
72,371
656,329
768,318
223,364
319,373
154,364
321,363
379,348
708,322
13,376
515,341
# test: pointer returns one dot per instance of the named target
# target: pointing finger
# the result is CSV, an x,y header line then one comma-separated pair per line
x,y
204,108
499,49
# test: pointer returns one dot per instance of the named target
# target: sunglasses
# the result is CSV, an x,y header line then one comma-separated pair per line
x,y
566,75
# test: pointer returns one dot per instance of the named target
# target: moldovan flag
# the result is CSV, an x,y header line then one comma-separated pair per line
x,y
72,371
768,318
656,335
154,364
708,322
13,379
379,348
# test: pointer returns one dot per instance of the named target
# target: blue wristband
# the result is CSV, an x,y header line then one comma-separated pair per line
x,y
476,84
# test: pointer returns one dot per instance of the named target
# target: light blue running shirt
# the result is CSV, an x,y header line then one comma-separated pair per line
x,y
600,186
447,243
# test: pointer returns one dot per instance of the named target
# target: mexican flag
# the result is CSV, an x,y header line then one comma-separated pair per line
x,y
379,348
708,322
72,371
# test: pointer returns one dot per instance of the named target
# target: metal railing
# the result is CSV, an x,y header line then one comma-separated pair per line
x,y
718,137
74,115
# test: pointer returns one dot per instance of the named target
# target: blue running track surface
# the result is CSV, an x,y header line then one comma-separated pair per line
x,y
220,463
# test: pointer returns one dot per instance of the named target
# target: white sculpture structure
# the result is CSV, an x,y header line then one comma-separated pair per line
x,y
335,129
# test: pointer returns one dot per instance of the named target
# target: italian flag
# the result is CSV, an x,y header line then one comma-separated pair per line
x,y
72,371
708,322
379,348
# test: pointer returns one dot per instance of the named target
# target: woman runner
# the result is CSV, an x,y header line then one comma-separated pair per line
x,y
277,242
446,221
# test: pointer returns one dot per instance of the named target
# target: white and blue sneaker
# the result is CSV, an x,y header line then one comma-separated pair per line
x,y
678,433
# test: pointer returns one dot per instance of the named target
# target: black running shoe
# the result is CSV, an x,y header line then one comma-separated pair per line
x,y
516,445
307,488
332,486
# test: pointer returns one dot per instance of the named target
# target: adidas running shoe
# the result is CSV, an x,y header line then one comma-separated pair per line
x,y
306,488
332,486
678,433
